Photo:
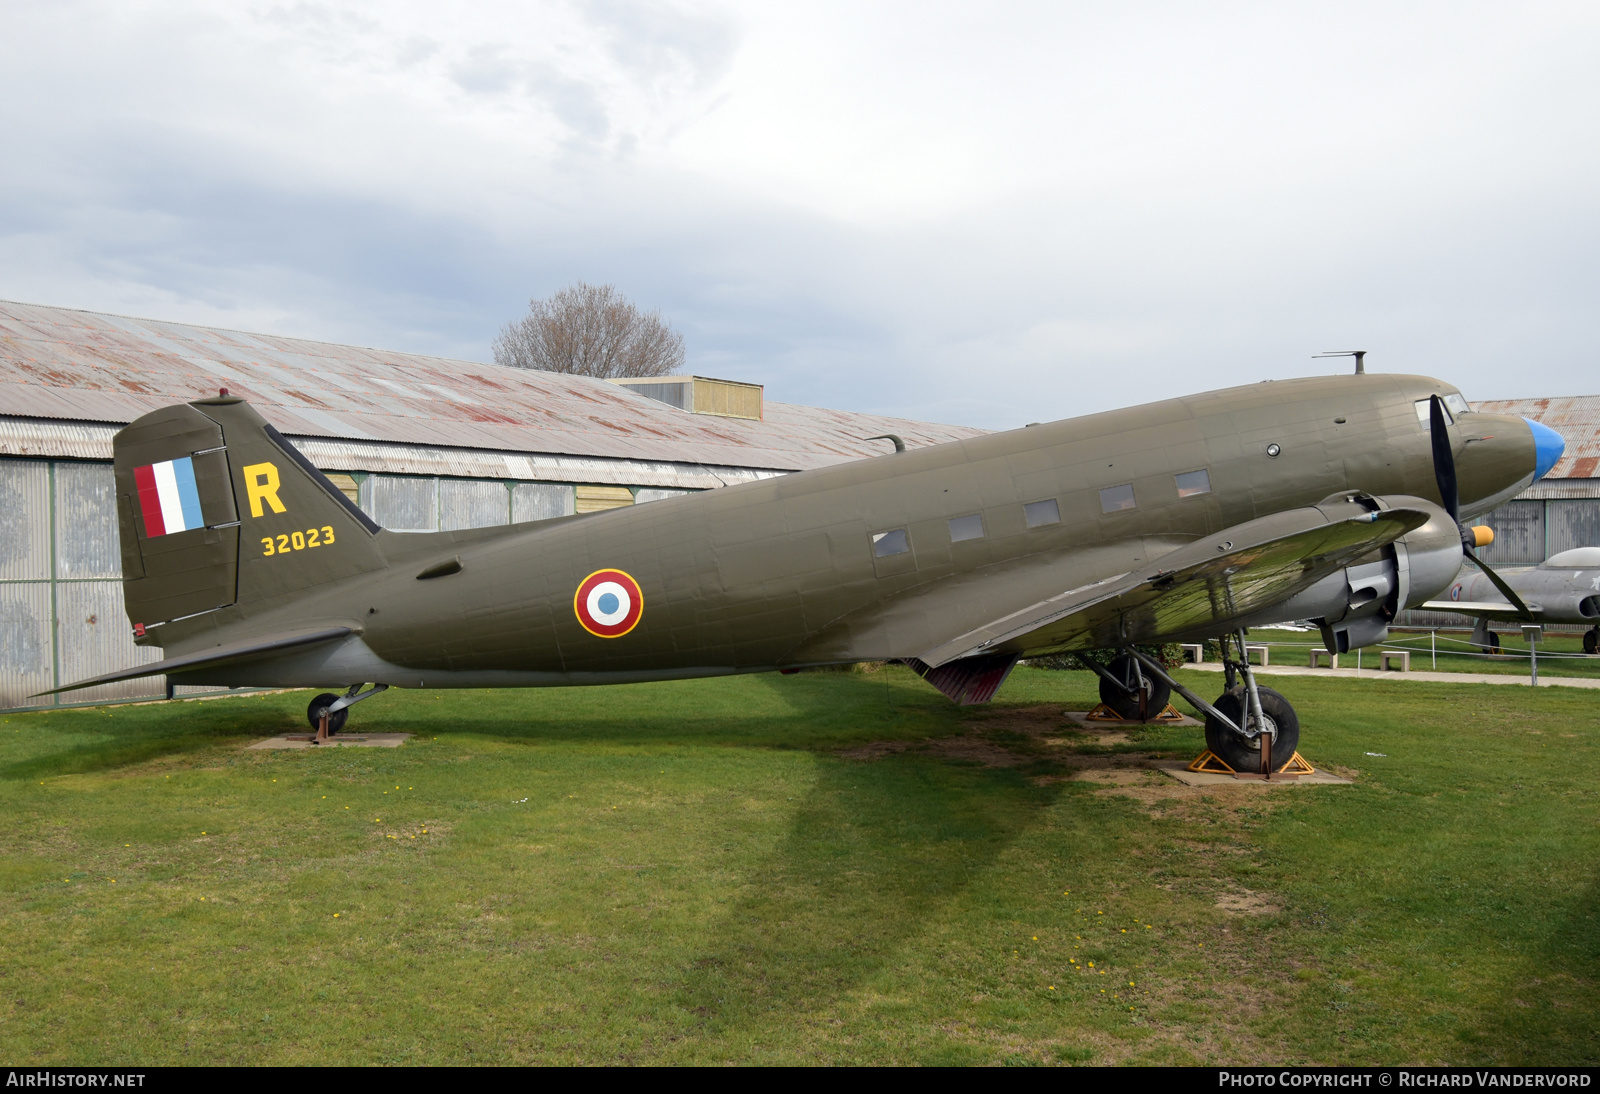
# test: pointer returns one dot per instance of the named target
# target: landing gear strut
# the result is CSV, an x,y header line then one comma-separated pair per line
x,y
1252,729
329,712
1135,695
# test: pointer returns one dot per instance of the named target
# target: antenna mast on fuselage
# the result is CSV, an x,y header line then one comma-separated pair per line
x,y
1359,354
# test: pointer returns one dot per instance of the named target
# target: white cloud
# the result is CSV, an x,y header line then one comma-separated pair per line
x,y
988,213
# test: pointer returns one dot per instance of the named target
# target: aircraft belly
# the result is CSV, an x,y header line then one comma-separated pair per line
x,y
352,662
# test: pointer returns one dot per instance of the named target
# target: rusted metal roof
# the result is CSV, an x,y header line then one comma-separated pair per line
x,y
1575,417
78,366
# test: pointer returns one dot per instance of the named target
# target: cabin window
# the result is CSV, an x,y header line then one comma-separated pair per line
x,y
1040,513
1425,415
1191,483
1115,498
969,527
885,544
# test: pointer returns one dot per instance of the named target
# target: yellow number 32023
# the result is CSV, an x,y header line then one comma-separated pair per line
x,y
297,541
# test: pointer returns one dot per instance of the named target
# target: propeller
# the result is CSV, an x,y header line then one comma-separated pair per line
x,y
1444,473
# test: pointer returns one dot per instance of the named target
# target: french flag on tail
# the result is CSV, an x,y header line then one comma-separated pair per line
x,y
168,497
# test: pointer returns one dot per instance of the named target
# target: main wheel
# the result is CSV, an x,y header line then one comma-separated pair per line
x,y
1126,703
1591,640
322,703
1241,753
1494,641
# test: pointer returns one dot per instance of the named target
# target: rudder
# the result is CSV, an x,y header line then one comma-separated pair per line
x,y
216,508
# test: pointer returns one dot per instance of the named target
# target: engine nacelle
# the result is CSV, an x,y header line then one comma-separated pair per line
x,y
1354,606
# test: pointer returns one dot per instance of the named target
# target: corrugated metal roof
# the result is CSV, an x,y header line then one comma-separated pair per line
x,y
1547,488
41,438
58,363
1575,417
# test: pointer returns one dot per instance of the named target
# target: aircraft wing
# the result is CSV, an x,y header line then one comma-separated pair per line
x,y
1230,575
1488,609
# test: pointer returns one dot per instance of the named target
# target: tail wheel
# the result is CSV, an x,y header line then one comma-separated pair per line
x,y
1591,640
320,704
1126,703
1242,753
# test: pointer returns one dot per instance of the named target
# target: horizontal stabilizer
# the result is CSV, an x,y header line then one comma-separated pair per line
x,y
217,655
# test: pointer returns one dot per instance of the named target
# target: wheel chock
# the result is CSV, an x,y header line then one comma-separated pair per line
x,y
1297,765
1209,763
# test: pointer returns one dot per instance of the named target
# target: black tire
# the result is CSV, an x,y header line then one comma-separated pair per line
x,y
1494,641
321,703
1126,703
1245,755
1591,640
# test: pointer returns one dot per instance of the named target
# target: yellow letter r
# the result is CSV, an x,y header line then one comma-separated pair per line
x,y
261,481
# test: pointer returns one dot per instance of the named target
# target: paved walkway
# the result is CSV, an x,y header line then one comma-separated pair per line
x,y
1423,677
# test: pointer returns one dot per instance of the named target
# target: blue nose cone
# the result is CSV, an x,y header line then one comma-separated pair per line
x,y
1547,446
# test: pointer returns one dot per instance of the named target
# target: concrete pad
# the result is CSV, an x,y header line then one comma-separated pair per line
x,y
1081,718
1179,769
343,740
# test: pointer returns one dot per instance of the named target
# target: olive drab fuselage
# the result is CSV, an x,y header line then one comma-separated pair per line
x,y
872,559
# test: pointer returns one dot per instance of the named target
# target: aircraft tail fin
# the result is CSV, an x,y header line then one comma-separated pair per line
x,y
216,508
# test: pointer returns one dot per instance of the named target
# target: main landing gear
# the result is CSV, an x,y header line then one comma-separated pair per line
x,y
1250,728
1134,695
1591,640
329,712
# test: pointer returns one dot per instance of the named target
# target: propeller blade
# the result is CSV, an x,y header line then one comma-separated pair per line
x,y
1500,583
1444,461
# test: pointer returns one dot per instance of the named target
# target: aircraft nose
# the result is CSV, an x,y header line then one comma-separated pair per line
x,y
1548,445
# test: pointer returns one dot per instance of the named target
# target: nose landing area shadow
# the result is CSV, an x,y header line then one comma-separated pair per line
x,y
875,851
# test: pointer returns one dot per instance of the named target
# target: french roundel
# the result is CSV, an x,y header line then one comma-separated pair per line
x,y
608,603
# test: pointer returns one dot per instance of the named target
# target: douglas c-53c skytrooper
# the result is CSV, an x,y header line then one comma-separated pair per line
x,y
1338,499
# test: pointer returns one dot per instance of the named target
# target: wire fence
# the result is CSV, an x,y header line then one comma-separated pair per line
x,y
1434,643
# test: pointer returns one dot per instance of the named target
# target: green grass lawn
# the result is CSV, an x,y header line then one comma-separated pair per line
x,y
827,867
1559,654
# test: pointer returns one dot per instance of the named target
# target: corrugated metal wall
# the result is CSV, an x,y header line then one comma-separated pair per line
x,y
1528,532
61,614
541,501
1518,534
1570,524
407,503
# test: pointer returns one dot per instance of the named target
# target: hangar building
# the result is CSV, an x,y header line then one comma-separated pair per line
x,y
1561,510
420,443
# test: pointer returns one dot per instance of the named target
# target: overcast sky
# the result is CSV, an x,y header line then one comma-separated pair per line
x,y
985,213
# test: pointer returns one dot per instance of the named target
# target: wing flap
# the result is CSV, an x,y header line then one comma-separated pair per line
x,y
1230,575
218,655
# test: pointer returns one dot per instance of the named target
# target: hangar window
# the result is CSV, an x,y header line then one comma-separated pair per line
x,y
885,544
1115,498
1191,483
1040,513
970,527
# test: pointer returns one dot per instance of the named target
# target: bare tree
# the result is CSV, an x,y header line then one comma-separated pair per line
x,y
590,330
